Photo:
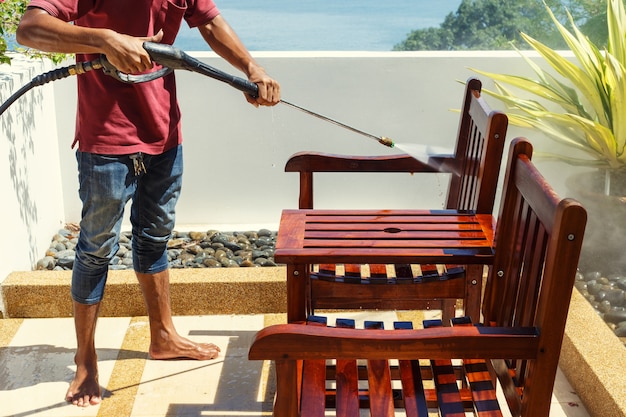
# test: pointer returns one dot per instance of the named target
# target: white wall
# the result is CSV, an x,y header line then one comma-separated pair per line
x,y
235,154
30,176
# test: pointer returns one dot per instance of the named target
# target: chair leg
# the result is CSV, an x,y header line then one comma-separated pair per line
x,y
297,277
473,291
448,310
287,395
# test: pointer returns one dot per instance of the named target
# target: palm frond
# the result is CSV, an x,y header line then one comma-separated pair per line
x,y
616,81
590,92
616,21
583,81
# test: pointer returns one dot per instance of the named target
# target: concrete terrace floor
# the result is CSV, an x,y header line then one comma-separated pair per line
x,y
37,365
36,359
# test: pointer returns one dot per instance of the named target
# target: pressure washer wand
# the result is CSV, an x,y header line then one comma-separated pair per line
x,y
174,58
170,58
381,139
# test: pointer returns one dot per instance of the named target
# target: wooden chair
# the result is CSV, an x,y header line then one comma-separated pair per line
x,y
537,245
474,168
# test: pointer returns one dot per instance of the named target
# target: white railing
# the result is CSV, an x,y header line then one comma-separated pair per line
x,y
30,180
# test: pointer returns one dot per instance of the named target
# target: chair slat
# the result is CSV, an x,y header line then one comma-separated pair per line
x,y
379,380
480,381
482,388
448,395
347,377
429,272
313,404
378,274
404,273
412,384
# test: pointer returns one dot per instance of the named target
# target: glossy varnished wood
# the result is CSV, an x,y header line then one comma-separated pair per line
x,y
379,237
384,236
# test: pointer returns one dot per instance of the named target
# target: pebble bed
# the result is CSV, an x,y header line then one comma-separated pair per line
x,y
216,249
607,294
210,249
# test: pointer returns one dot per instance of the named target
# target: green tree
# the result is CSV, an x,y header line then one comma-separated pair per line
x,y
495,24
11,12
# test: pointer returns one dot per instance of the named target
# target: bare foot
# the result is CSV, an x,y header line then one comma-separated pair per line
x,y
177,347
84,390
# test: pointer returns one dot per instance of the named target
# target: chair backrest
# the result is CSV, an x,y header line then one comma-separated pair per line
x,y
474,166
538,240
478,153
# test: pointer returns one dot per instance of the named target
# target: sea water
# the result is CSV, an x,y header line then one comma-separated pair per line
x,y
323,25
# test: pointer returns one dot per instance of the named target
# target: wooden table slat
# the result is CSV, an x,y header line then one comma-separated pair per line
x,y
382,235
412,219
405,227
400,244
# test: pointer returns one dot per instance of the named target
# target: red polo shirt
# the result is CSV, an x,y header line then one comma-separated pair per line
x,y
115,118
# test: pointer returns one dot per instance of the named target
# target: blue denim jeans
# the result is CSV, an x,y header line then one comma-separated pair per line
x,y
106,184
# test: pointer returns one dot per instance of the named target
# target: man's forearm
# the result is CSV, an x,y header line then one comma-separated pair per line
x,y
41,31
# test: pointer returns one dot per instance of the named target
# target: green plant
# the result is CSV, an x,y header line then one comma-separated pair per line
x,y
11,12
590,96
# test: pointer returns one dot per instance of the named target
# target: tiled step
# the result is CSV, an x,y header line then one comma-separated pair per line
x,y
194,292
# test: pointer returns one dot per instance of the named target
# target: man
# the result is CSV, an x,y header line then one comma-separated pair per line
x,y
129,147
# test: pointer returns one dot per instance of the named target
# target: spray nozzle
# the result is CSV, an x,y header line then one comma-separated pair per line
x,y
386,141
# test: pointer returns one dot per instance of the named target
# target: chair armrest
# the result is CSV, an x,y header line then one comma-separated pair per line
x,y
323,162
298,341
306,163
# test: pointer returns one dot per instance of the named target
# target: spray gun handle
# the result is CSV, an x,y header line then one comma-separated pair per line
x,y
110,70
246,86
174,58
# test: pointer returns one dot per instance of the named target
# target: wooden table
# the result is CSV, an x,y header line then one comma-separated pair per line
x,y
308,237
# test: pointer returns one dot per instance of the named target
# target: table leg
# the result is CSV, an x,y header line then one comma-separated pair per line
x,y
297,277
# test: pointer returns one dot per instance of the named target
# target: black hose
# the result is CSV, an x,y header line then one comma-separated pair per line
x,y
56,74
